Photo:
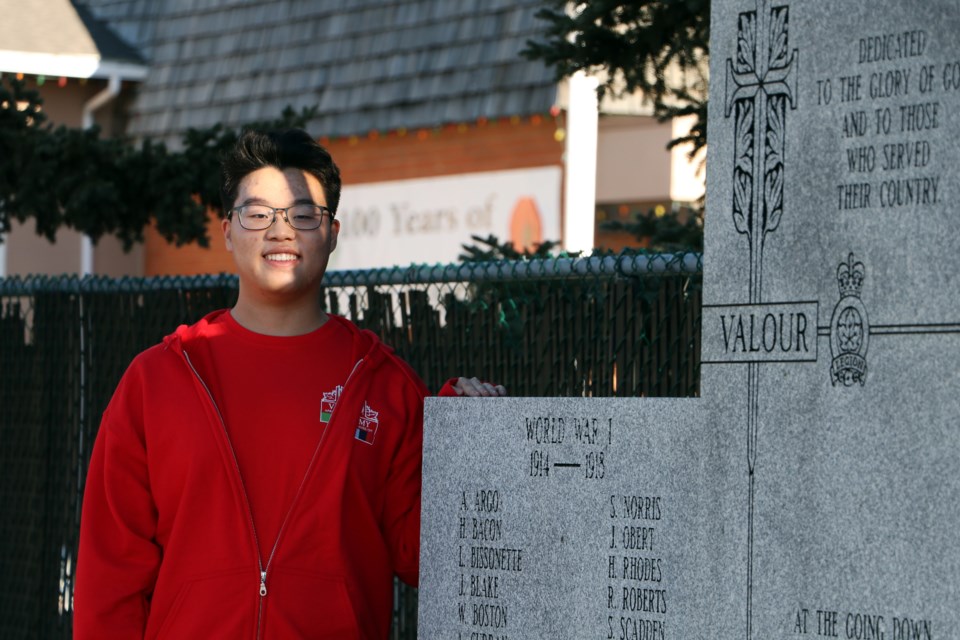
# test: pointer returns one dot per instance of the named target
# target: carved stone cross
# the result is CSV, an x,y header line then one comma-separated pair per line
x,y
758,85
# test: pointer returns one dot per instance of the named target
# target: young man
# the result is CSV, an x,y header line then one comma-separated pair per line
x,y
257,475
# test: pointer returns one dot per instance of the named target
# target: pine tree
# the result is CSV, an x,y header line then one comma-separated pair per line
x,y
62,177
659,47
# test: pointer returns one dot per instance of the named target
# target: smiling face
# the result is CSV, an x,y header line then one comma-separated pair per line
x,y
280,265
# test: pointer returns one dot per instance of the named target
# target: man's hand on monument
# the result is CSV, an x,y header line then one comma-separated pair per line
x,y
474,388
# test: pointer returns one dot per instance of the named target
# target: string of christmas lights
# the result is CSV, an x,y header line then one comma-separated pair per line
x,y
41,79
422,133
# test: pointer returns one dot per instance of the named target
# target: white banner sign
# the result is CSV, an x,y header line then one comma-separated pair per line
x,y
426,221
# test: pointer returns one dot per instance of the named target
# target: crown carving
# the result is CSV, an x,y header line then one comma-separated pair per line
x,y
850,277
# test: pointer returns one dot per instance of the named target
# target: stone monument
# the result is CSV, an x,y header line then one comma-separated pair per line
x,y
814,488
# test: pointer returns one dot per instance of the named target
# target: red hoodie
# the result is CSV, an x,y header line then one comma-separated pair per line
x,y
168,545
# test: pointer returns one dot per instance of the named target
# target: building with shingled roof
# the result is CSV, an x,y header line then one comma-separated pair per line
x,y
85,76
442,130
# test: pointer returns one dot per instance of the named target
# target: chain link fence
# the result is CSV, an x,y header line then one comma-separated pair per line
x,y
624,325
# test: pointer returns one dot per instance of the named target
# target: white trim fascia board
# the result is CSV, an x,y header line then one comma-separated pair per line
x,y
125,70
80,65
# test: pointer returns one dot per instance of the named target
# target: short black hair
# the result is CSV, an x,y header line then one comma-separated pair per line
x,y
287,149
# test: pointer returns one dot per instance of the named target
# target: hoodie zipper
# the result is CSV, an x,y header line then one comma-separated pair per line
x,y
246,500
243,488
303,482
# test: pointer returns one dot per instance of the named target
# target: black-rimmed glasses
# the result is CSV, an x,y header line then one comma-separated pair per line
x,y
303,217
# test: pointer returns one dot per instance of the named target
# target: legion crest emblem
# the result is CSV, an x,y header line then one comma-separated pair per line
x,y
849,328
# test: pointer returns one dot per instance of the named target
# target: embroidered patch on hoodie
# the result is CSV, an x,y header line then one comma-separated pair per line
x,y
367,427
328,403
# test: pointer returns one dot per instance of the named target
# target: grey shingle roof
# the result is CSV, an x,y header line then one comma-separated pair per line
x,y
110,46
367,64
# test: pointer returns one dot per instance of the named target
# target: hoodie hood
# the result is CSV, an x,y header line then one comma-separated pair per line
x,y
367,346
